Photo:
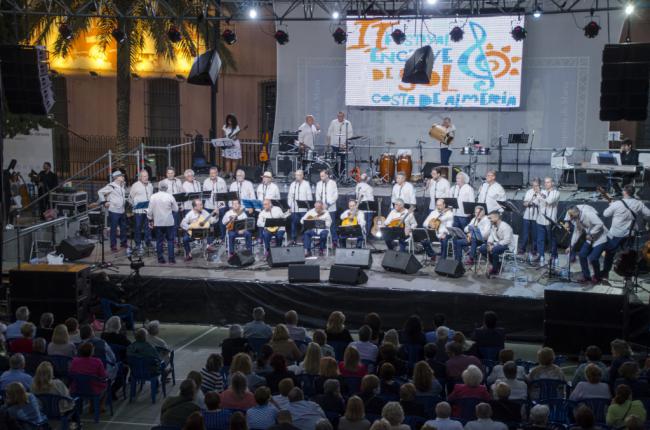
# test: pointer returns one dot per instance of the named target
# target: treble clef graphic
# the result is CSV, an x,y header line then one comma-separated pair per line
x,y
480,68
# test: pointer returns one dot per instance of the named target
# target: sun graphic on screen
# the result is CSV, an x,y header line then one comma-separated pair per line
x,y
501,63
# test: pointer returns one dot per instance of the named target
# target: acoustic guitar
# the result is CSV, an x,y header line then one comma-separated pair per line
x,y
200,223
264,153
378,221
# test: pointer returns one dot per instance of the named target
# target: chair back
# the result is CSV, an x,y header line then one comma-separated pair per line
x,y
256,343
217,420
513,244
50,405
60,365
599,408
543,389
339,348
140,367
465,409
561,410
83,384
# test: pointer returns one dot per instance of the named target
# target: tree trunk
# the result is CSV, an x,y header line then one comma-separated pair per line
x,y
123,89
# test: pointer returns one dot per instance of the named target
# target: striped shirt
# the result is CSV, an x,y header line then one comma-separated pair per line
x,y
261,417
212,381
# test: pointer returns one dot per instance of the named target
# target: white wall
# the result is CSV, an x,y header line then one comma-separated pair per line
x,y
30,151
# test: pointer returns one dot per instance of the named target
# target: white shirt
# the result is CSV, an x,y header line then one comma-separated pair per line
x,y
227,217
501,234
325,216
490,194
139,193
446,220
173,185
328,193
364,192
405,192
216,186
337,132
270,191
622,219
589,222
484,226
361,220
298,191
462,194
161,208
275,212
438,189
547,202
530,212
191,187
193,215
244,190
444,424
485,424
307,134
409,219
114,194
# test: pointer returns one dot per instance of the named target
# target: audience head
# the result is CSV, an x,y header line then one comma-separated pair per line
x,y
594,374
328,368
188,389
387,372
506,355
311,363
490,319
39,345
241,362
291,318
392,337
238,384
259,314
332,387
262,396
584,417
285,386
443,410
194,422
439,320
280,333
153,328
212,400
546,356
423,376
278,363
238,421
370,384
430,351
320,337
393,413
72,325
27,330
43,376
86,350
15,394
442,333
620,348
539,415
459,338
407,392
47,319
113,325
634,423
373,320
622,394
22,313
336,322
510,370
266,351
365,333
196,377
593,353
502,391
628,370
140,335
86,332
214,363
483,411
413,327
17,362
454,349
323,424
388,352
235,331
381,424
351,358
296,395
355,409
472,376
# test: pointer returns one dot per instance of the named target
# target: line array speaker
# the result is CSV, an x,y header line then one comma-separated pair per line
x,y
26,80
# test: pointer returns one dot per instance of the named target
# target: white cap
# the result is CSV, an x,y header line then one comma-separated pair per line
x,y
116,173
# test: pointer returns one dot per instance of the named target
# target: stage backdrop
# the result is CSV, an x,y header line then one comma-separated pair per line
x,y
559,100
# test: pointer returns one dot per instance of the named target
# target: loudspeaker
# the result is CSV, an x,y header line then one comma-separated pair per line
x,y
75,248
285,165
205,69
242,259
304,273
450,268
403,262
510,179
282,257
590,181
354,257
417,69
26,80
286,141
348,275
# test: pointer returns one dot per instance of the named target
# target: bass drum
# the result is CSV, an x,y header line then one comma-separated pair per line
x,y
405,164
387,168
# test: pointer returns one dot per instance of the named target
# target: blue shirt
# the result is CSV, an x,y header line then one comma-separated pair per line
x,y
12,375
13,330
432,336
30,412
261,417
305,414
258,329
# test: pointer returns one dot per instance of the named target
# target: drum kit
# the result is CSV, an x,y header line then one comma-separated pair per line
x,y
390,164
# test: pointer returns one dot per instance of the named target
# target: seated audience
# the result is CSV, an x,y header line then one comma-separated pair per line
x,y
323,424
407,401
141,349
242,363
431,357
328,370
370,395
443,337
153,337
538,418
634,423
505,355
214,416
44,383
438,321
389,387
412,333
297,334
394,414
279,372
621,353
443,420
351,364
320,337
391,336
86,364
257,328
176,409
281,400
211,374
425,380
489,335
24,343
38,355
282,344
594,355
367,349
61,343
629,375
199,398
263,415
13,330
238,422
16,373
484,420
285,422
304,413
518,388
331,400
114,335
458,361
584,418
373,320
44,329
355,416
100,348
546,369
470,388
194,422
233,344
623,406
592,388
311,362
503,408
388,354
73,330
237,395
262,364
23,406
335,330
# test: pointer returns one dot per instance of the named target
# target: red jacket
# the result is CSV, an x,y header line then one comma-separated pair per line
x,y
89,366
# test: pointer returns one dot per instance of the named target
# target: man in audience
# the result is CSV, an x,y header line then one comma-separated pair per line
x,y
258,328
38,355
296,333
45,329
285,421
143,349
489,335
16,373
442,421
320,337
153,331
518,389
458,361
233,344
438,321
304,413
594,355
431,357
331,399
484,419
176,409
281,400
367,350
13,329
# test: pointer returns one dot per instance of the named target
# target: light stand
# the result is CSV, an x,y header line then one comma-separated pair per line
x,y
103,264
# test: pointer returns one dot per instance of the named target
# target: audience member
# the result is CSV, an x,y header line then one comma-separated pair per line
x,y
282,344
367,349
100,347
257,328
331,400
44,329
211,374
594,355
304,413
431,357
592,388
311,362
335,329
281,400
381,424
489,336
407,401
237,395
323,424
296,333
73,330
175,410
391,336
389,387
194,422
458,361
279,372
518,388
61,343
443,420
37,356
199,398
153,337
538,418
114,335
584,418
470,388
24,343
443,337
263,415
546,369
394,414
373,320
13,329
141,349
503,408
328,369
351,364
23,406
629,375
355,416
484,420
424,380
634,423
16,373
412,333
438,321
242,363
505,355
214,415
320,337
388,354
285,422
238,422
264,355
624,406
233,344
369,393
44,383
86,364
621,353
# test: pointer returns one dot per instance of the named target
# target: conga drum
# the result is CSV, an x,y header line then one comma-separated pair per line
x,y
405,164
387,167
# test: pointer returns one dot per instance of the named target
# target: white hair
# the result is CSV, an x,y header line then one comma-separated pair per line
x,y
472,376
113,325
235,331
539,414
153,327
188,172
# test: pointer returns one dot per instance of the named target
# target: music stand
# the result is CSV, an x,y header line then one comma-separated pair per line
x,y
349,231
180,197
510,209
392,233
252,204
456,233
226,197
310,224
281,204
470,207
275,222
240,224
421,234
369,206
451,202
305,204
517,139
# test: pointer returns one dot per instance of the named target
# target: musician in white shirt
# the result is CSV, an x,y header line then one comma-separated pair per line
x,y
243,187
328,193
491,192
317,213
450,130
267,189
216,185
298,190
588,225
174,185
307,133
235,214
498,242
627,214
139,193
446,217
403,190
162,207
478,231
364,192
190,185
462,192
354,217
439,187
190,217
529,224
547,202
406,220
113,198
270,212
338,133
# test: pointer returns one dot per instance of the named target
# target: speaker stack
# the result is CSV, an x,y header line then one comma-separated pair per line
x,y
26,80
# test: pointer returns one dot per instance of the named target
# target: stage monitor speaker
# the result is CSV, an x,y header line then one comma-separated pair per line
x,y
510,179
417,69
590,181
205,69
450,268
75,248
26,80
304,273
282,257
403,262
354,257
241,259
348,275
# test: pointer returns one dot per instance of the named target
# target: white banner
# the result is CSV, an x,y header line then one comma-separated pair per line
x,y
30,151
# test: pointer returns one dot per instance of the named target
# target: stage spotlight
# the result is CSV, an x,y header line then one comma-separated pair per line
x,y
340,36
65,31
537,13
118,35
591,29
174,34
432,2
629,9
282,37
252,13
336,14
456,34
398,36
518,33
229,36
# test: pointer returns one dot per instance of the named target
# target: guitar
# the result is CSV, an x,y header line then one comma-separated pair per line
x,y
199,223
378,221
264,154
603,193
233,219
233,136
351,220
399,223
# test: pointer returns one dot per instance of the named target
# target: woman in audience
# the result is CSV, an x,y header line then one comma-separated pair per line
x,y
328,369
280,372
335,329
584,419
388,354
351,364
391,336
263,357
86,364
355,416
412,333
320,337
389,386
624,406
442,338
61,344
311,363
460,339
264,414
470,388
211,374
424,380
331,400
23,406
282,344
199,398
538,418
44,383
505,355
113,335
373,320
394,414
73,330
621,353
238,422
194,422
233,344
629,375
242,363
594,355
237,395
592,388
370,394
518,388
504,409
24,344
546,369
407,393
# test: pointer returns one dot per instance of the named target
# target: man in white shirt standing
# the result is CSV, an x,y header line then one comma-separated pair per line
x,y
307,133
588,226
190,185
363,192
328,193
174,186
317,213
403,190
491,192
242,186
113,197
478,231
445,152
338,133
270,212
298,190
216,185
140,192
268,189
162,207
462,192
498,242
529,226
438,187
190,217
547,201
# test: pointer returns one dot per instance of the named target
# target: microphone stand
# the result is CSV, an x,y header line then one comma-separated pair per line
x,y
530,152
421,156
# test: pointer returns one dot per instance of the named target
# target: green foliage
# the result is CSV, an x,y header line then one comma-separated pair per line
x,y
23,124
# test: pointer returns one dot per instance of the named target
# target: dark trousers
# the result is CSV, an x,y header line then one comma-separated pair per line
x,y
232,235
426,244
267,236
308,236
612,247
459,246
369,216
590,255
528,234
495,255
335,236
402,244
543,236
445,155
141,223
166,233
116,220
295,224
461,221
